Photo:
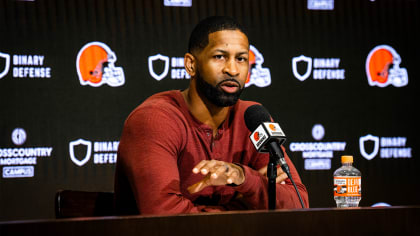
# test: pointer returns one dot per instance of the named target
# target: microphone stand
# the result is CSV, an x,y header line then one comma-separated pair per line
x,y
272,175
276,157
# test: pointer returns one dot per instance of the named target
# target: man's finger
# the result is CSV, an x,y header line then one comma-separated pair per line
x,y
232,175
204,167
208,167
200,185
219,170
263,171
279,171
198,167
281,178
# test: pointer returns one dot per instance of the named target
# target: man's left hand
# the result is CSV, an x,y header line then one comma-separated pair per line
x,y
216,173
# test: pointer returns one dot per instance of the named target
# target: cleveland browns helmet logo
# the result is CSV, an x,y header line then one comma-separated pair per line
x,y
258,75
95,66
383,67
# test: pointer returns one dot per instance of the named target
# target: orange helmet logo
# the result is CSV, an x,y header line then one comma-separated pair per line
x,y
257,75
95,66
383,67
272,127
256,136
251,61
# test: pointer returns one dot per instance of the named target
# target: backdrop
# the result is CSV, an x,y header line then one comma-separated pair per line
x,y
338,76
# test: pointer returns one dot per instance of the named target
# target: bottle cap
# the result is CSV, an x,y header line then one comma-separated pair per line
x,y
347,159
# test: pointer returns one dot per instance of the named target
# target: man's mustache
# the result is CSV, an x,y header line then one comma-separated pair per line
x,y
229,80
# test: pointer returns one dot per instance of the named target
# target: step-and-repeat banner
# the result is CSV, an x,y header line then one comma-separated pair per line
x,y
340,77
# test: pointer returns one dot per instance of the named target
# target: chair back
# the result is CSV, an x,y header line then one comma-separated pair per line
x,y
73,203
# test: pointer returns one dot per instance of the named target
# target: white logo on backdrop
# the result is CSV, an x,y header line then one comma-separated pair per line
x,y
318,154
177,3
20,162
320,68
308,71
375,150
165,71
321,4
318,132
6,64
18,136
385,147
86,158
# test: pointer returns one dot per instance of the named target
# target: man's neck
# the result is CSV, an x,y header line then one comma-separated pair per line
x,y
205,111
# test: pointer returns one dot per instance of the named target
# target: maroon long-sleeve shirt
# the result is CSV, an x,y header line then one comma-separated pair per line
x,y
161,143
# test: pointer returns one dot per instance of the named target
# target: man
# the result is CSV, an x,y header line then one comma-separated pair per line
x,y
188,151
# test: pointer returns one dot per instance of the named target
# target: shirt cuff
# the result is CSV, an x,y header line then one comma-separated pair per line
x,y
252,177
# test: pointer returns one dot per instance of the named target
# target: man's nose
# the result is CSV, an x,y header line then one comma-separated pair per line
x,y
231,68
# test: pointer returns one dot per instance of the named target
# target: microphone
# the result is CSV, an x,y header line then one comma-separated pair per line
x,y
266,135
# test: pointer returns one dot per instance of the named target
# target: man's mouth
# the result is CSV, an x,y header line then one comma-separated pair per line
x,y
229,86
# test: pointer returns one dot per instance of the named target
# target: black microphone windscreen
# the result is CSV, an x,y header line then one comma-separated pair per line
x,y
254,115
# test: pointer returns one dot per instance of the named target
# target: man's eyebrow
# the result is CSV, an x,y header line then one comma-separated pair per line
x,y
244,52
220,50
226,52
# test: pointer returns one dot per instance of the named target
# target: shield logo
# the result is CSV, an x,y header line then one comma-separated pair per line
x,y
6,64
86,158
369,138
298,59
154,58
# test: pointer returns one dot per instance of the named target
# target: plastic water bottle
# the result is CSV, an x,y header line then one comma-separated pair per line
x,y
347,184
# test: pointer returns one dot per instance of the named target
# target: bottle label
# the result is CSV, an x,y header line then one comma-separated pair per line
x,y
347,186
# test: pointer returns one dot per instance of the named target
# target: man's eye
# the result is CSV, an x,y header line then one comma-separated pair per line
x,y
242,59
218,56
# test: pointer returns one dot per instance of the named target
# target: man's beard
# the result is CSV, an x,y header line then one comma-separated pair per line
x,y
216,95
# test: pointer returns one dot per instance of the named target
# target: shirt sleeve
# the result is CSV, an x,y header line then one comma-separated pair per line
x,y
254,190
149,147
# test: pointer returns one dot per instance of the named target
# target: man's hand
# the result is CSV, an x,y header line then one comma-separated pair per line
x,y
217,173
281,176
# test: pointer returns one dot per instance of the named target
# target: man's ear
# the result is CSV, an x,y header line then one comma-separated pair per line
x,y
190,64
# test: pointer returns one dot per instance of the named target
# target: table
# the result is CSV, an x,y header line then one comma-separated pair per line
x,y
398,220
